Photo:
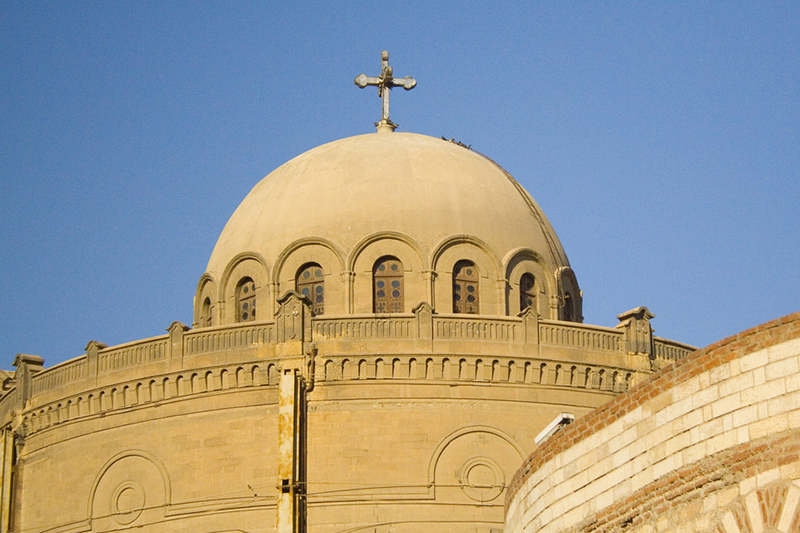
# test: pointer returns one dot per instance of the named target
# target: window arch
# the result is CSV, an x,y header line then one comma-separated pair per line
x,y
387,285
311,284
527,292
465,288
245,300
205,316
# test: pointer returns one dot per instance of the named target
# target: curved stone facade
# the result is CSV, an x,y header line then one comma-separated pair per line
x,y
417,411
710,444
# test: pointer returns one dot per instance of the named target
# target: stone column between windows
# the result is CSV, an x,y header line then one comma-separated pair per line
x,y
502,296
348,281
429,279
555,306
274,290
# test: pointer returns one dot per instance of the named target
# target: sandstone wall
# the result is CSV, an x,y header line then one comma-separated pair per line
x,y
708,444
413,421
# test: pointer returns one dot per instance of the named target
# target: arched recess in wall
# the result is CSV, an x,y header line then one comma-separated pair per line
x,y
369,251
523,261
570,296
312,251
244,265
467,248
206,293
132,489
474,464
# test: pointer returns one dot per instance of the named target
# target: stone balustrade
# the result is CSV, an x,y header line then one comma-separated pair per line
x,y
365,327
231,337
458,347
668,351
132,354
67,372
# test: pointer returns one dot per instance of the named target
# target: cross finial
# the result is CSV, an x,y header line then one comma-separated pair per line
x,y
385,82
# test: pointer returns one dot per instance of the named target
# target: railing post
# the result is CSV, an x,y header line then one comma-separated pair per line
x,y
530,325
424,319
27,365
638,337
175,345
293,319
92,359
294,333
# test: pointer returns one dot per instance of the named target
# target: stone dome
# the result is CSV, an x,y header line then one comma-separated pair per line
x,y
426,193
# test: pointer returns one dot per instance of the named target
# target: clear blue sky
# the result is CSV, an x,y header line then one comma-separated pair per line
x,y
662,140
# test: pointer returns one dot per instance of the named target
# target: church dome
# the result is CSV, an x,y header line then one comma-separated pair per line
x,y
424,193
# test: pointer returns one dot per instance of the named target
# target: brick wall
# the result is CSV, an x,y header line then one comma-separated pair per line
x,y
727,414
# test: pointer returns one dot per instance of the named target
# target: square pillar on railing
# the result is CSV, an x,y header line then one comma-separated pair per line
x,y
93,358
293,319
424,319
27,365
530,325
638,337
175,346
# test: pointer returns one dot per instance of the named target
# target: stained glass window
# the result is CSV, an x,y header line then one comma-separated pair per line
x,y
245,300
311,284
465,288
387,285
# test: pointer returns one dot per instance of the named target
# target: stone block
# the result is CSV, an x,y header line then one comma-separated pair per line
x,y
782,368
768,426
765,391
719,373
736,384
784,350
753,360
705,396
726,405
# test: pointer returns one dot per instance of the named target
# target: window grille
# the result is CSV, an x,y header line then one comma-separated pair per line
x,y
465,288
245,300
311,284
387,286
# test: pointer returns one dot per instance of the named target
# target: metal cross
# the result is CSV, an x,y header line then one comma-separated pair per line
x,y
385,82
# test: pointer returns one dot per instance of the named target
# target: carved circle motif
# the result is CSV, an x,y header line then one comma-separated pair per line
x,y
481,479
127,502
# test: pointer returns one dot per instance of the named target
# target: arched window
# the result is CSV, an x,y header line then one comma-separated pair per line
x,y
387,285
245,300
527,292
205,317
311,284
465,288
569,312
